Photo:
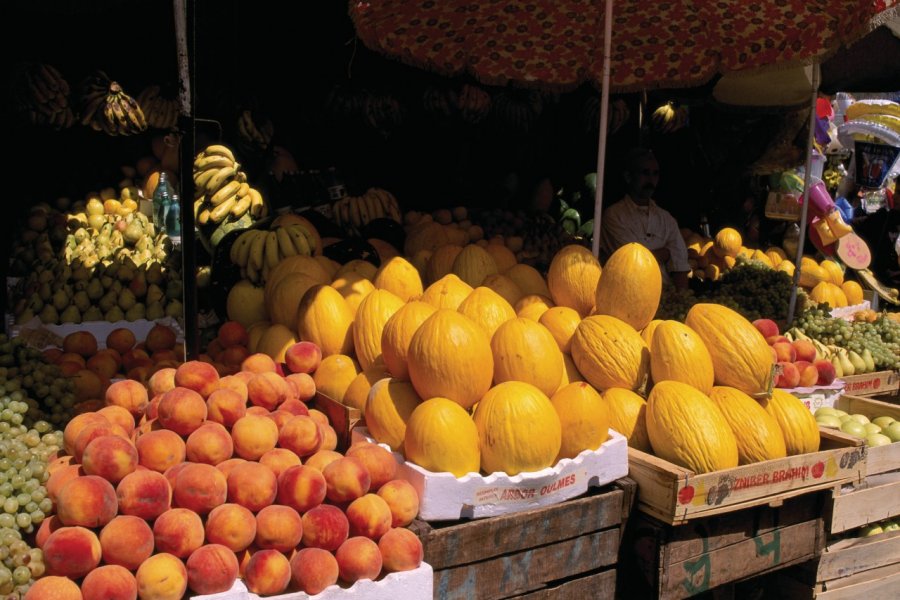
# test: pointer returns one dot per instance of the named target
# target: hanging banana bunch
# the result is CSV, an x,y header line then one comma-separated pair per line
x,y
42,95
106,107
668,118
352,213
161,112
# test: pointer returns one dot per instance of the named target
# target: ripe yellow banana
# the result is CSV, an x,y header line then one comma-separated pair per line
x,y
220,178
226,191
355,215
257,204
243,252
256,251
218,214
364,215
215,161
298,240
203,217
235,251
202,179
241,206
253,274
272,256
220,150
285,245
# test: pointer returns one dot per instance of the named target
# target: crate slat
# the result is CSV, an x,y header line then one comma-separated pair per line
x,y
878,584
599,586
876,500
853,556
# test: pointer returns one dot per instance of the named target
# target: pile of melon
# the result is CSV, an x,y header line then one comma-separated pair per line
x,y
467,361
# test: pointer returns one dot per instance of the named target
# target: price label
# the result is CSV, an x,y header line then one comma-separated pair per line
x,y
854,251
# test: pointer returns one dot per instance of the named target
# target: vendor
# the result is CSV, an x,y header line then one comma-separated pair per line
x,y
637,218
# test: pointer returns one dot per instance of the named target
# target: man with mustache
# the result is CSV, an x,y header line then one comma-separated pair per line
x,y
637,218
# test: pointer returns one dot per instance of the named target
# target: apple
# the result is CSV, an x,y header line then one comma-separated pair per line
x,y
860,418
890,526
826,410
840,412
870,530
829,421
854,428
883,421
893,431
871,428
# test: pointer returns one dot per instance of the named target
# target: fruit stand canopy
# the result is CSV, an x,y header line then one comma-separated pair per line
x,y
558,43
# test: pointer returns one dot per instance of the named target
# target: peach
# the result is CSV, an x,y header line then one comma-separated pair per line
x,y
358,558
369,516
162,381
80,342
826,372
253,436
313,570
401,550
182,410
267,573
210,443
87,501
84,406
52,354
772,340
126,541
160,337
279,459
48,526
258,363
54,587
809,374
322,459
200,488
300,435
327,438
213,350
211,569
268,390
259,411
118,415
59,462
179,532
197,376
381,464
252,485
789,376
301,487
232,333
243,557
141,373
227,465
158,450
294,406
304,384
161,577
234,356
347,479
303,357
144,494
785,351
58,480
109,582
805,350
71,552
68,368
232,526
319,417
402,499
225,406
280,417
236,383
325,526
92,432
110,457
767,327
103,365
88,385
152,410
278,528
121,340
135,358
73,357
166,358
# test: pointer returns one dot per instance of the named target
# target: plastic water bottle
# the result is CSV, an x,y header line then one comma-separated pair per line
x,y
162,200
173,218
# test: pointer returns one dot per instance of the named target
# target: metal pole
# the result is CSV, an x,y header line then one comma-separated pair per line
x,y
184,39
804,210
604,115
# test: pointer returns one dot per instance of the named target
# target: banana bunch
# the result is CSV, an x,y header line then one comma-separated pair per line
x,y
354,212
345,104
222,189
106,107
256,251
669,119
439,101
383,113
518,110
41,93
161,113
473,103
619,114
255,134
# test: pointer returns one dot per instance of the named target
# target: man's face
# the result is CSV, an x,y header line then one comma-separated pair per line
x,y
643,179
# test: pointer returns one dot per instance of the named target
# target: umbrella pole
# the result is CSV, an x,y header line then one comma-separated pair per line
x,y
804,210
604,115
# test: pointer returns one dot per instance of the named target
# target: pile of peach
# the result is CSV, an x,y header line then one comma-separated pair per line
x,y
208,478
798,362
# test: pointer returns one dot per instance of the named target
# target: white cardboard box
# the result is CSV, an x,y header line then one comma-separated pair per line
x,y
444,497
407,585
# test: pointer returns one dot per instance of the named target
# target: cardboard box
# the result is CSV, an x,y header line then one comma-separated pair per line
x,y
443,497
675,495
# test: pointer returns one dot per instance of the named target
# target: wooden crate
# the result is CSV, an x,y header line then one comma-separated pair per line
x,y
342,418
868,384
880,459
567,550
676,495
876,499
672,562
849,569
